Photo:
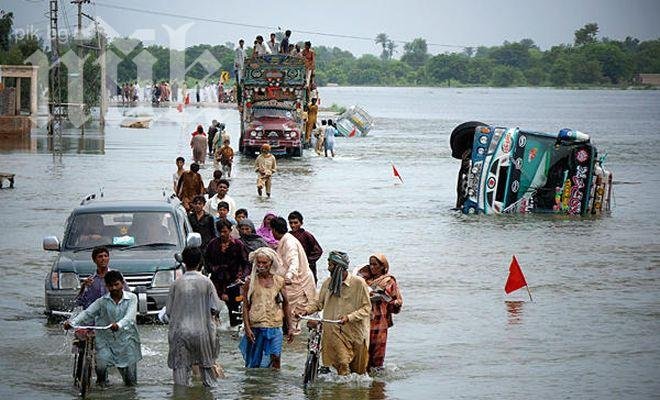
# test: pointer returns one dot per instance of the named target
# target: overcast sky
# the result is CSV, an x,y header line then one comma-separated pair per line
x,y
446,25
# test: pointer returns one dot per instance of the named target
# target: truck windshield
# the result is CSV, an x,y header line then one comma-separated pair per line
x,y
121,229
272,113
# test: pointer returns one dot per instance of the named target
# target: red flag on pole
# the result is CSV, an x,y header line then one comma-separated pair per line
x,y
352,133
516,279
396,173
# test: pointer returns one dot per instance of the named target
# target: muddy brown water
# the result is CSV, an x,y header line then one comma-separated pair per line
x,y
591,332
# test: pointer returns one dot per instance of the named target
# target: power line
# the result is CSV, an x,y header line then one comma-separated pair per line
x,y
225,22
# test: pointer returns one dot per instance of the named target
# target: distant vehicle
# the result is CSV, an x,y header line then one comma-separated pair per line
x,y
271,94
354,122
142,236
509,170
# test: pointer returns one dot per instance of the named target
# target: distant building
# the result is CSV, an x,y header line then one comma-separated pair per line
x,y
648,79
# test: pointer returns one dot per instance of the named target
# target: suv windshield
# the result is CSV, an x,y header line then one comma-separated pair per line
x,y
121,229
272,113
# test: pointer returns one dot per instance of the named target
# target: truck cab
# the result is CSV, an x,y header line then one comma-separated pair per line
x,y
510,170
273,94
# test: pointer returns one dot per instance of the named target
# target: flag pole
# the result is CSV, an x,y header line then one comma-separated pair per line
x,y
529,293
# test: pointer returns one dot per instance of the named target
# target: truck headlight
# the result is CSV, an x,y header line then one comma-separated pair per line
x,y
68,280
253,133
163,278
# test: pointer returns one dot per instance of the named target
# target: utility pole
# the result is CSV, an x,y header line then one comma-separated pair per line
x,y
55,102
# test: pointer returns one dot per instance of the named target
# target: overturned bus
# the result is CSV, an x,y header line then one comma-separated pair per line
x,y
509,170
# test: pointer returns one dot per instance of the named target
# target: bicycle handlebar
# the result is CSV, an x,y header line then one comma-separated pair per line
x,y
317,319
91,327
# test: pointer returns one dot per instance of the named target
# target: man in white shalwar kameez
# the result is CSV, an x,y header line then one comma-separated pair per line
x,y
300,288
192,307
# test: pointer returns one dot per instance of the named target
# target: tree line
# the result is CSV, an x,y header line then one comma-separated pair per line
x,y
588,61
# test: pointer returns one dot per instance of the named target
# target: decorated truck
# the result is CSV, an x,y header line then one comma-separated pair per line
x,y
510,170
272,97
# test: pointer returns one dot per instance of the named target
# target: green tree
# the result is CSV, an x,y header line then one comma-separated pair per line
x,y
647,58
415,53
6,22
587,34
505,75
560,74
382,39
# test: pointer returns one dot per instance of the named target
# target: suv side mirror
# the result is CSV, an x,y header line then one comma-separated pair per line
x,y
178,258
52,243
193,239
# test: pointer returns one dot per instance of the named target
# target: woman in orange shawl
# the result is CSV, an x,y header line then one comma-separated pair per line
x,y
386,300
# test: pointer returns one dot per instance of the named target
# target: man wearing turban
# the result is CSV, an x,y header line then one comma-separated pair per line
x,y
344,297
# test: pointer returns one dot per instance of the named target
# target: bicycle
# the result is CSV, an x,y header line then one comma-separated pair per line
x,y
314,348
84,354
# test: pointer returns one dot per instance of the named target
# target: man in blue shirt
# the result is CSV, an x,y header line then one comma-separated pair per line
x,y
94,286
118,346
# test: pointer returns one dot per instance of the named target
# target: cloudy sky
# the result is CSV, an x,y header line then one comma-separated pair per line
x,y
353,24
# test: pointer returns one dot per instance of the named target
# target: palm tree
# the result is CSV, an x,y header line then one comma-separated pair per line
x,y
383,40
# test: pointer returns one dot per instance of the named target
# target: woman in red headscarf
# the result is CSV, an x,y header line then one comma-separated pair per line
x,y
386,300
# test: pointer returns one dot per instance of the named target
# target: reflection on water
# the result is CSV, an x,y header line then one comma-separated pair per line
x,y
514,311
89,143
17,143
452,337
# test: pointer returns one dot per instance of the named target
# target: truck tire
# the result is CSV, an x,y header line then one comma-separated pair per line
x,y
297,152
462,137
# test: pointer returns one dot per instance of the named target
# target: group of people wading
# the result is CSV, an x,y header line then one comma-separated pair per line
x,y
277,287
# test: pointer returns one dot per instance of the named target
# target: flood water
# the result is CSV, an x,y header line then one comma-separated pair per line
x,y
592,331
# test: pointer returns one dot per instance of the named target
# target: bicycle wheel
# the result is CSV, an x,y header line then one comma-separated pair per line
x,y
311,369
86,373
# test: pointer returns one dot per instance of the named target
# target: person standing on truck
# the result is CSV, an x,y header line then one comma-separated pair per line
x,y
310,125
284,46
239,61
273,46
310,63
260,47
265,166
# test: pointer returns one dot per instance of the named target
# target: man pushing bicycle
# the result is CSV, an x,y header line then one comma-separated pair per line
x,y
344,297
118,346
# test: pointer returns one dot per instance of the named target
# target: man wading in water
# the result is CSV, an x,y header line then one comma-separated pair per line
x,y
344,297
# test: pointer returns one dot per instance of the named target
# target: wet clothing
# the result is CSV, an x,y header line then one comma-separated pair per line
x,y
267,343
198,143
226,267
346,346
205,226
312,113
212,131
95,291
302,290
121,348
381,313
192,335
266,320
313,249
190,185
329,138
225,155
265,166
